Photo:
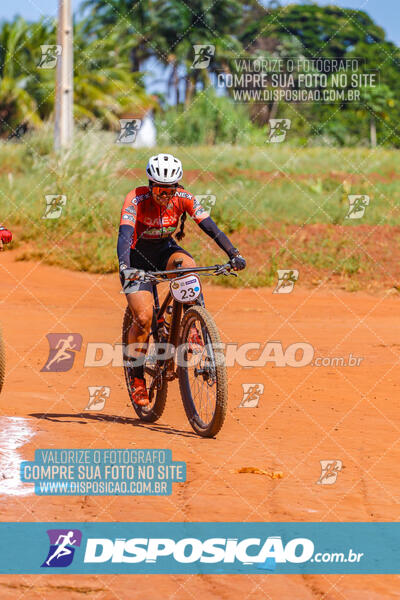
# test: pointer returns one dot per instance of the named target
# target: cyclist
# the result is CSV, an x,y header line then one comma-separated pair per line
x,y
149,217
5,235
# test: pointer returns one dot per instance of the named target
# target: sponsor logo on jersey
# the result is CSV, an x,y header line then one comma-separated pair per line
x,y
184,195
140,198
131,209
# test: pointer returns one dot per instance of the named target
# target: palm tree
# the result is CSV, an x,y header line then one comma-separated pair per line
x,y
22,84
104,86
136,22
167,31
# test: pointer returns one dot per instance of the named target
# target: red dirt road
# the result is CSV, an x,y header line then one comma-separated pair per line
x,y
305,415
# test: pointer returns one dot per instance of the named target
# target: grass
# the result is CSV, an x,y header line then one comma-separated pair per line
x,y
261,192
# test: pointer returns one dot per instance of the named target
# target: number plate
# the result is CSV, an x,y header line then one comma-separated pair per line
x,y
185,289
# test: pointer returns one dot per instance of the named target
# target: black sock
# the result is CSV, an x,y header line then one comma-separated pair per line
x,y
138,372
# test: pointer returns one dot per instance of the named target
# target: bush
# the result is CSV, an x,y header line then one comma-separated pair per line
x,y
210,119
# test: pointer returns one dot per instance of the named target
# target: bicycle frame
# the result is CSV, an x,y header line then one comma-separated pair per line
x,y
177,307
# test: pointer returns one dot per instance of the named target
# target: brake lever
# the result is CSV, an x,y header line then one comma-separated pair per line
x,y
223,270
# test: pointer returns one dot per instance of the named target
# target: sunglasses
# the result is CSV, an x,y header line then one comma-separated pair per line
x,y
163,192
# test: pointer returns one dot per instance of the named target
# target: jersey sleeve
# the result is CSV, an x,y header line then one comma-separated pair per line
x,y
129,210
194,208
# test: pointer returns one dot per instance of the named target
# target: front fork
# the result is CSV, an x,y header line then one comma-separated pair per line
x,y
173,339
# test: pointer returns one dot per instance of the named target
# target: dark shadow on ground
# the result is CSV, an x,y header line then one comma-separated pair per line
x,y
83,418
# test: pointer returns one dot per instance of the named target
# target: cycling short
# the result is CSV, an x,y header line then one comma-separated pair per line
x,y
152,256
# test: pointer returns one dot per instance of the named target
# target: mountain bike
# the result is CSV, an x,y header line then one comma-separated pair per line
x,y
187,347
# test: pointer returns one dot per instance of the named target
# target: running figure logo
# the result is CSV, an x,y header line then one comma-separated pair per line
x,y
129,130
203,54
54,206
207,201
62,547
49,56
97,397
251,394
286,280
278,129
62,351
329,471
357,206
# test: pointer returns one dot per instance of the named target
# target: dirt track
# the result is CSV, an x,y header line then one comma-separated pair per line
x,y
305,415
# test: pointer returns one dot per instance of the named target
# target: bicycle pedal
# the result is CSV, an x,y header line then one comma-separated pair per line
x,y
170,375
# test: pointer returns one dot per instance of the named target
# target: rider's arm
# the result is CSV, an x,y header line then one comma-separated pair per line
x,y
125,236
126,231
206,224
211,229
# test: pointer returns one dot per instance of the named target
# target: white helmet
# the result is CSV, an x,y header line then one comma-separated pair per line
x,y
164,168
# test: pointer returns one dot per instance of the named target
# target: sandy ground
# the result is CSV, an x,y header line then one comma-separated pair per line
x,y
305,415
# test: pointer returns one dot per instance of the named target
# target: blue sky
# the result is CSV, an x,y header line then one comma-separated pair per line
x,y
385,12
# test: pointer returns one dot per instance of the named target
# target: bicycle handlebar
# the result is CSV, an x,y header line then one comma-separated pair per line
x,y
153,276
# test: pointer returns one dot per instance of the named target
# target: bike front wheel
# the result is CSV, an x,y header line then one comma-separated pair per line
x,y
156,384
202,373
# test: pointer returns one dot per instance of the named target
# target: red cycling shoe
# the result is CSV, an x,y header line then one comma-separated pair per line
x,y
195,341
139,392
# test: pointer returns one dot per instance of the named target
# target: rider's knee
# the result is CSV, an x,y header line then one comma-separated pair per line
x,y
189,260
142,321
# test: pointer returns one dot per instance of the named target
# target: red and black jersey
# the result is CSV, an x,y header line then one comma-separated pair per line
x,y
152,221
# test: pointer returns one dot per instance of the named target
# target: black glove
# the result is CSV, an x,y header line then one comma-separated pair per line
x,y
237,261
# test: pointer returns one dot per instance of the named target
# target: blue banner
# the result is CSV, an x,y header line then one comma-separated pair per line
x,y
206,548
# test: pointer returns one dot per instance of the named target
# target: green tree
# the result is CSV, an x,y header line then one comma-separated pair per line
x,y
22,85
329,31
377,102
104,86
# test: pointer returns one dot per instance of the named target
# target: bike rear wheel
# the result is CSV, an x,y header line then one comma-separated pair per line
x,y
202,373
2,361
157,392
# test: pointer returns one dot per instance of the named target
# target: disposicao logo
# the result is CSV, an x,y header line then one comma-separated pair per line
x,y
62,547
191,550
